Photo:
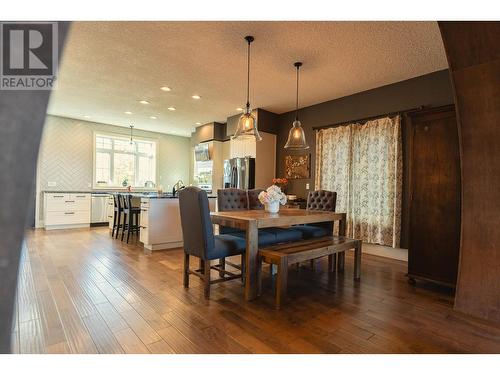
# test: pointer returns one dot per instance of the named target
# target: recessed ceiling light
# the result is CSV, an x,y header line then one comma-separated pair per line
x,y
196,97
239,109
198,123
86,116
128,112
143,102
165,88
171,108
153,117
173,131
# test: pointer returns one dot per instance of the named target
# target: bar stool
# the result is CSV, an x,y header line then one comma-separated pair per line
x,y
130,216
117,215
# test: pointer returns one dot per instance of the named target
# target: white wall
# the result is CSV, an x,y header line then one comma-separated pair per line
x,y
66,155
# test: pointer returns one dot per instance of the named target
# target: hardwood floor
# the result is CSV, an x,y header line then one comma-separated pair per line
x,y
82,292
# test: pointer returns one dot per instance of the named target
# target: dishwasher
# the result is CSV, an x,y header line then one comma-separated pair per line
x,y
99,210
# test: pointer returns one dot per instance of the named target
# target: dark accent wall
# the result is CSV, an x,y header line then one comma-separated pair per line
x,y
473,52
429,90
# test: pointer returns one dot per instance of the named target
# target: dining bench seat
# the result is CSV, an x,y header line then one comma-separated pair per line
x,y
282,255
273,236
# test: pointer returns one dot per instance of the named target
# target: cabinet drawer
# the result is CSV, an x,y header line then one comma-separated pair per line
x,y
55,197
67,217
80,197
144,203
69,204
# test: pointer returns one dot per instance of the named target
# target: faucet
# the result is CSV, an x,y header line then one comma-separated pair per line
x,y
178,186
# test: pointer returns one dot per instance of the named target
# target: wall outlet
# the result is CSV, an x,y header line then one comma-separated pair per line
x,y
51,183
307,186
89,185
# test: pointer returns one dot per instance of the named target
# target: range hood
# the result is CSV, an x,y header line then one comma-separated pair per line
x,y
202,152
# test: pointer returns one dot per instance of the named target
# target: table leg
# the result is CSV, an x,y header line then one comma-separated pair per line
x,y
341,261
357,261
251,279
332,262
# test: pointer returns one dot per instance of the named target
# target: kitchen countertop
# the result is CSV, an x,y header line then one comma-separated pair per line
x,y
152,195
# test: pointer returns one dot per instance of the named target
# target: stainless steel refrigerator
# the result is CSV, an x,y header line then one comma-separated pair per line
x,y
239,173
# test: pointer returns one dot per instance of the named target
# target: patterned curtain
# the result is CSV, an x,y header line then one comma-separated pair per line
x,y
363,164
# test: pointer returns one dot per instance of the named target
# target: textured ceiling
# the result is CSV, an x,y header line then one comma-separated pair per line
x,y
108,67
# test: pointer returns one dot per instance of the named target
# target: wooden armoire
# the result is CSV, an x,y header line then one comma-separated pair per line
x,y
434,195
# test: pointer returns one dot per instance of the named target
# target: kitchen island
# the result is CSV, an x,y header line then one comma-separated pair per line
x,y
160,221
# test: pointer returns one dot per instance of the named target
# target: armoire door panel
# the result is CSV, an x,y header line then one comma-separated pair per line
x,y
435,197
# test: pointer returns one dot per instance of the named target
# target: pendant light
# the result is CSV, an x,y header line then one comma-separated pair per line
x,y
247,124
296,137
131,145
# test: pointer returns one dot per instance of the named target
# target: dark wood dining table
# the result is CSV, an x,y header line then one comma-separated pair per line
x,y
253,220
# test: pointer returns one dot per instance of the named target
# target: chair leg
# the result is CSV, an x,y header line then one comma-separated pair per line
x,y
243,268
130,223
115,214
222,266
186,270
124,225
118,223
281,284
206,278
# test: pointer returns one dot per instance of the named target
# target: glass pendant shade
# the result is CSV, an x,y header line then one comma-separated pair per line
x,y
247,124
296,137
247,127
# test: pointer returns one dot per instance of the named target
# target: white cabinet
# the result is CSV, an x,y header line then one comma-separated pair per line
x,y
240,148
66,210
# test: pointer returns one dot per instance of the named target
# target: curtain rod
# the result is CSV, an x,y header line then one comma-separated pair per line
x,y
365,119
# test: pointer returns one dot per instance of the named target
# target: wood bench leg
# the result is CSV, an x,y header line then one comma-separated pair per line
x,y
259,275
206,278
332,262
186,270
281,283
341,261
357,261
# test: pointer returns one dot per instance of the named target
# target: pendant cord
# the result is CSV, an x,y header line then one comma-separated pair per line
x,y
248,77
297,98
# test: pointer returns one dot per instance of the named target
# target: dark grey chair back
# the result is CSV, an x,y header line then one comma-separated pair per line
x,y
322,200
253,199
232,199
197,229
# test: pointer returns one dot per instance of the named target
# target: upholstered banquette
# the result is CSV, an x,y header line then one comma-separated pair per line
x,y
234,200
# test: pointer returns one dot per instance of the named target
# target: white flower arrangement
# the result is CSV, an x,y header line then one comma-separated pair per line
x,y
271,195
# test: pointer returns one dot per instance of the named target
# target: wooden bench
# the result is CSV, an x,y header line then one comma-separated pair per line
x,y
283,255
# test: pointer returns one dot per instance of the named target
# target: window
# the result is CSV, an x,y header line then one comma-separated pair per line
x,y
119,163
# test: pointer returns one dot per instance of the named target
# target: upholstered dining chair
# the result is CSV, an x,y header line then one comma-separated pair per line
x,y
200,241
319,200
253,199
